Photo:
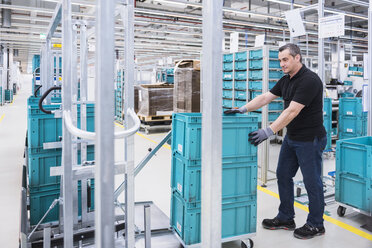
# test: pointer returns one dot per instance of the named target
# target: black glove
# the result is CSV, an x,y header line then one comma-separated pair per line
x,y
258,136
241,110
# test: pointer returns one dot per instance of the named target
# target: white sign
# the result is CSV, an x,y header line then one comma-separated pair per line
x,y
160,62
295,23
365,98
332,26
365,66
260,40
234,42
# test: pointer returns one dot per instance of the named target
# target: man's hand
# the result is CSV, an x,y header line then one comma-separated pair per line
x,y
258,136
241,110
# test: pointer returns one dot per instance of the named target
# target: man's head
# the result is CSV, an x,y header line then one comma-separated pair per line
x,y
290,58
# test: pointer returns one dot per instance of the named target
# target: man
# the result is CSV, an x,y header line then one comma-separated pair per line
x,y
302,91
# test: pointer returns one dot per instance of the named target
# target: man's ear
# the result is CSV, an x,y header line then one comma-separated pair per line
x,y
298,57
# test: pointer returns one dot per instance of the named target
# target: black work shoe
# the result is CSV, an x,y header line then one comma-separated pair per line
x,y
308,232
274,224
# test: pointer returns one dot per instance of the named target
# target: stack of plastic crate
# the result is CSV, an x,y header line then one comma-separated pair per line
x,y
239,176
257,69
327,120
354,174
8,95
44,128
352,119
240,79
227,76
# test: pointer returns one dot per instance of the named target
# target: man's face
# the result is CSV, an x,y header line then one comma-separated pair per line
x,y
288,62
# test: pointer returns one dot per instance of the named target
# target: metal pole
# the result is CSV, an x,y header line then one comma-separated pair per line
x,y
128,18
49,68
338,59
212,125
83,120
147,224
321,44
46,238
265,118
370,69
290,36
66,136
104,124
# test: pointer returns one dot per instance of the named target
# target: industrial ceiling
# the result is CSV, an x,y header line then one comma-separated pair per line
x,y
173,28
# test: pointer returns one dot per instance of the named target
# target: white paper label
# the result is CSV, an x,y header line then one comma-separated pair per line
x,y
179,227
349,130
349,113
324,113
260,40
179,147
179,187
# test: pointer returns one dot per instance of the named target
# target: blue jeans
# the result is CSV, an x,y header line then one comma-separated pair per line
x,y
306,155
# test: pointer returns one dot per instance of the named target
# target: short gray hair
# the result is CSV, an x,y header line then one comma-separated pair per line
x,y
293,50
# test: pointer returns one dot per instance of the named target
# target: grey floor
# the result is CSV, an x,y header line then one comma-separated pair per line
x,y
153,184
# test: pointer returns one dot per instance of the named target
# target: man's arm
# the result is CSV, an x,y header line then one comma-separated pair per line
x,y
260,101
287,116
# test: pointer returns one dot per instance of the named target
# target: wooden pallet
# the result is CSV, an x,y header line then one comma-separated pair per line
x,y
154,118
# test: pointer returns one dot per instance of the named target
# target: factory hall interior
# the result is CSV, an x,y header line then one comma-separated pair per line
x,y
185,123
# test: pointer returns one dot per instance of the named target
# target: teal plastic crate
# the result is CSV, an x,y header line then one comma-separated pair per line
x,y
35,62
241,56
240,95
227,103
258,74
8,95
353,68
276,106
39,165
258,54
239,178
254,94
354,156
348,83
241,75
342,136
228,57
240,103
257,85
351,107
241,65
1,95
41,201
347,94
258,64
186,135
327,107
271,116
237,219
240,85
227,94
354,191
353,125
227,85
228,66
227,75
42,128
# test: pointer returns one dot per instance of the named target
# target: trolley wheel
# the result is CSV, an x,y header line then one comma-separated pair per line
x,y
244,245
298,192
341,211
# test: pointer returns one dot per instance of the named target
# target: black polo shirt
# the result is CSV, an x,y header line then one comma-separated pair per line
x,y
306,88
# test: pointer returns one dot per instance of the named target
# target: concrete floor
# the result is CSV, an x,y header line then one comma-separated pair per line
x,y
153,184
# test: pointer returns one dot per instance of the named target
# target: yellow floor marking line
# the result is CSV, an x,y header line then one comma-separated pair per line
x,y
296,204
2,117
143,136
326,218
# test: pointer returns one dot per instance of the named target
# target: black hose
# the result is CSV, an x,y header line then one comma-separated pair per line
x,y
359,94
44,96
37,89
